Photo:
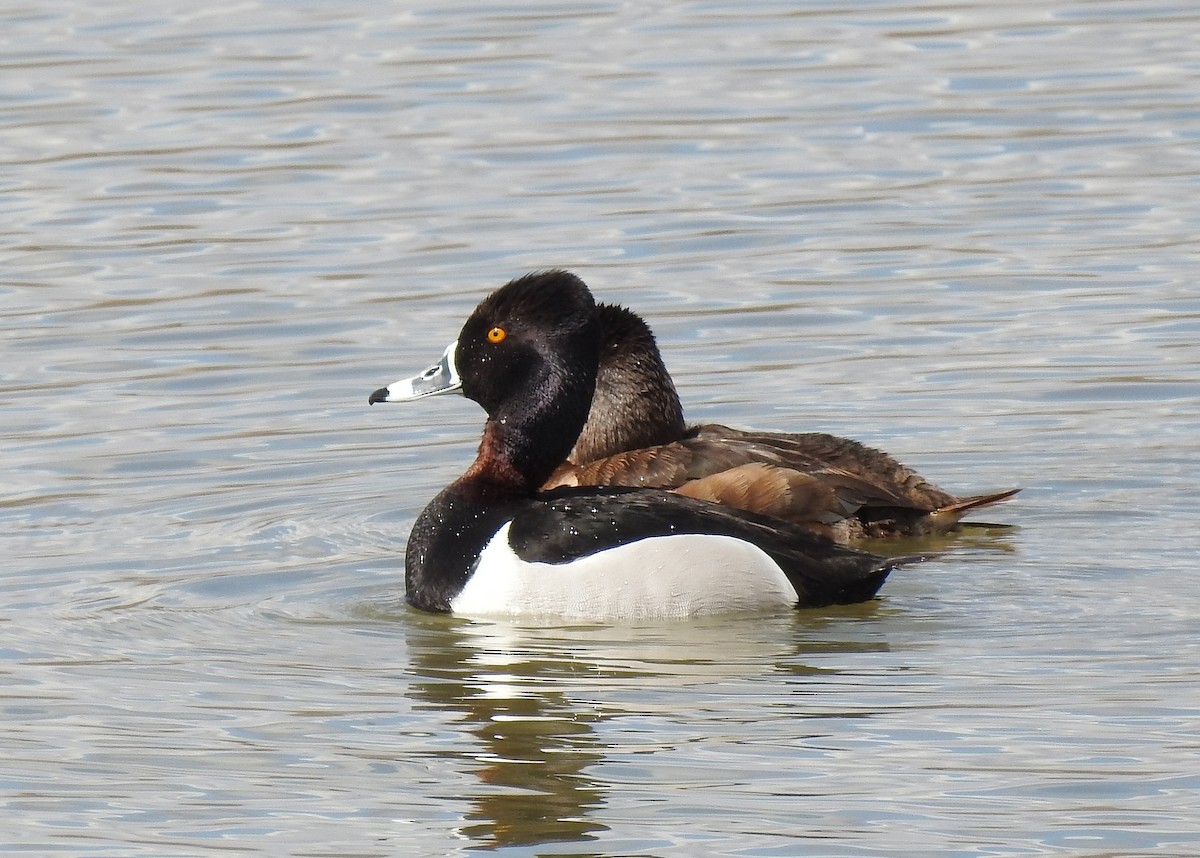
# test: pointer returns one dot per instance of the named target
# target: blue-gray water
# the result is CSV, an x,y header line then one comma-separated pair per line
x,y
965,233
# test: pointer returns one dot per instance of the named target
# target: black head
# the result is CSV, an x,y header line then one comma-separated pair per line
x,y
528,355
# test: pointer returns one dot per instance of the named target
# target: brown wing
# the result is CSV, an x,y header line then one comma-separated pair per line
x,y
895,499
779,492
669,466
730,474
665,466
812,479
894,482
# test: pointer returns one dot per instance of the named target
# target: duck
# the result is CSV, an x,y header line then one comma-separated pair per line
x,y
494,542
636,434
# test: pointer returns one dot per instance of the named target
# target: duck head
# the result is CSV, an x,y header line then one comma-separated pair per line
x,y
528,355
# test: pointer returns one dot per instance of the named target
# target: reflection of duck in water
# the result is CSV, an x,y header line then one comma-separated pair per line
x,y
489,543
635,435
544,717
534,743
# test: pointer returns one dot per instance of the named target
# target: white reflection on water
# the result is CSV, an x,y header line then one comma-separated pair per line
x,y
963,233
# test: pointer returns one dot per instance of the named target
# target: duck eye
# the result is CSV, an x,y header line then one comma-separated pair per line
x,y
497,335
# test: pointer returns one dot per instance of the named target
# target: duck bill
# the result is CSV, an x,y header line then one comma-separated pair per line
x,y
440,378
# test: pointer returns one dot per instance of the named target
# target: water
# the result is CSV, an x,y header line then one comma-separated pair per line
x,y
963,233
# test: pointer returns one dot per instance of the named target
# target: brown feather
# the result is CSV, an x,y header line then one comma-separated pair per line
x,y
635,436
831,485
778,492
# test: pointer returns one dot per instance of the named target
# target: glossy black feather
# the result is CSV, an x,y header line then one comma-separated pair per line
x,y
568,524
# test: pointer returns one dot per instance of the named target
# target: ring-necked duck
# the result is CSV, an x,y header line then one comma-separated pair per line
x,y
636,435
492,543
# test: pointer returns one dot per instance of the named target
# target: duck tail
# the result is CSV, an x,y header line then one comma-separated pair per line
x,y
946,517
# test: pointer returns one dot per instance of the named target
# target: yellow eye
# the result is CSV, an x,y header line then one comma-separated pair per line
x,y
497,335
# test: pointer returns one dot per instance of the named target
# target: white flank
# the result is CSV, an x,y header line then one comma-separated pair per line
x,y
665,577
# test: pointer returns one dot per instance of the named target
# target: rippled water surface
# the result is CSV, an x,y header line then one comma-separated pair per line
x,y
962,232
